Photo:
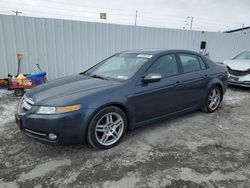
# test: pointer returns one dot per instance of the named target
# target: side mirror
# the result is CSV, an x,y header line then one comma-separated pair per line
x,y
152,77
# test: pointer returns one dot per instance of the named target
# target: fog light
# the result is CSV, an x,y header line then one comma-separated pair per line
x,y
52,136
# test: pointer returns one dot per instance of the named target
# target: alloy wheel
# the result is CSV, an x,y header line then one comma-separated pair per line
x,y
214,98
109,128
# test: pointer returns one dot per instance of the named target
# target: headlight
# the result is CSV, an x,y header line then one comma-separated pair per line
x,y
57,110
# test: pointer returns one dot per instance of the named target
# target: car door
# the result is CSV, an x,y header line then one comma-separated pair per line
x,y
159,98
195,78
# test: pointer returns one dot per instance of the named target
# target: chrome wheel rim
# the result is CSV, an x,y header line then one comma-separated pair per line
x,y
214,99
109,128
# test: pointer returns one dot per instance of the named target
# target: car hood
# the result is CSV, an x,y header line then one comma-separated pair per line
x,y
241,65
67,86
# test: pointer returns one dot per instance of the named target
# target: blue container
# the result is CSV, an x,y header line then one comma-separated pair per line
x,y
37,75
38,78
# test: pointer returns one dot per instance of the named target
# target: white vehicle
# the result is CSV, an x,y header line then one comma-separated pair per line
x,y
239,69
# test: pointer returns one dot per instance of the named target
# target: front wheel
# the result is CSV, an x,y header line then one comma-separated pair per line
x,y
107,128
213,99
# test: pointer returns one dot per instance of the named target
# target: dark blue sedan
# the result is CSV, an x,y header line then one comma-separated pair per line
x,y
121,93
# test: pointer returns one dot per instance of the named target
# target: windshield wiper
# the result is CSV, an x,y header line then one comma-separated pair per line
x,y
98,76
83,73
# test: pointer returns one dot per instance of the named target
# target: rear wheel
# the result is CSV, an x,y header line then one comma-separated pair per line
x,y
107,128
213,99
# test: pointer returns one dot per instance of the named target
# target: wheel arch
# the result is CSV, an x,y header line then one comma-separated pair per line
x,y
119,105
218,83
221,90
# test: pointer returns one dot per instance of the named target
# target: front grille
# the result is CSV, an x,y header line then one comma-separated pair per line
x,y
25,105
238,73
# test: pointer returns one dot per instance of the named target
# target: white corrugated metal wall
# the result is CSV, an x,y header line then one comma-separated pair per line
x,y
63,47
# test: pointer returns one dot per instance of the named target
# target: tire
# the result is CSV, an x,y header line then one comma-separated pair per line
x,y
19,92
107,128
213,100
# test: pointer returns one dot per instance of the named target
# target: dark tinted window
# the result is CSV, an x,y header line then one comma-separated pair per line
x,y
165,66
189,62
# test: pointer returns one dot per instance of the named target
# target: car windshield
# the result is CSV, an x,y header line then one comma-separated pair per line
x,y
119,67
243,55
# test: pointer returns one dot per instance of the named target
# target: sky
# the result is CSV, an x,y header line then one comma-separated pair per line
x,y
208,15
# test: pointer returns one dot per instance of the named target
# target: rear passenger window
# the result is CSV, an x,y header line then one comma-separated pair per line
x,y
165,66
189,62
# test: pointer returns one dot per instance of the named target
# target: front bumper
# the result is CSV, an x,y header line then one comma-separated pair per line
x,y
239,80
70,128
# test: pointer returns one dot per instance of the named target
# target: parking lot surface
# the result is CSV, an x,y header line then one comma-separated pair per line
x,y
194,150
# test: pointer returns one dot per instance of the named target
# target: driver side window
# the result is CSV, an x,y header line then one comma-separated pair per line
x,y
165,66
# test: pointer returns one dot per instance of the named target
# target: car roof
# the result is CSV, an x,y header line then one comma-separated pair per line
x,y
158,51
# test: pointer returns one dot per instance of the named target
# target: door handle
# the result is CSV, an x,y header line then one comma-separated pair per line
x,y
205,76
178,83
